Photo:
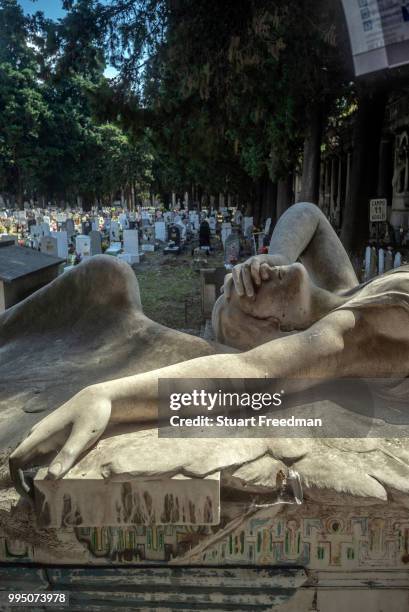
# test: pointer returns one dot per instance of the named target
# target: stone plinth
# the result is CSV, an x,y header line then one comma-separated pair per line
x,y
89,501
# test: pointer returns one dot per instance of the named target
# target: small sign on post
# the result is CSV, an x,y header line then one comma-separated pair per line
x,y
377,210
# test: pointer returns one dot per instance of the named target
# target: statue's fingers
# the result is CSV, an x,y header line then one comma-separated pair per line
x,y
238,282
247,280
36,444
79,440
17,476
255,271
265,271
25,455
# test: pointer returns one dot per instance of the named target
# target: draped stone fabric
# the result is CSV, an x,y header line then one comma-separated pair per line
x,y
88,326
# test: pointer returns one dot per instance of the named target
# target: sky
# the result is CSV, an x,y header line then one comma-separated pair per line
x,y
51,8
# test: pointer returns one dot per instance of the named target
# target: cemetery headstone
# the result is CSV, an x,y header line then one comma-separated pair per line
x,y
226,231
69,228
114,231
160,231
131,246
148,239
373,266
381,261
123,221
247,226
211,282
62,243
49,246
267,227
232,249
96,242
388,260
174,238
114,249
86,227
83,246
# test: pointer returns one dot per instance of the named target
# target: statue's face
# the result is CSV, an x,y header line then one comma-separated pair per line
x,y
285,297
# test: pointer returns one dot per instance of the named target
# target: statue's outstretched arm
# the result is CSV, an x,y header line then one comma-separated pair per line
x,y
302,233
74,427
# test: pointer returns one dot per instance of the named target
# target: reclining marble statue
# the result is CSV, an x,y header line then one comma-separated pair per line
x,y
298,312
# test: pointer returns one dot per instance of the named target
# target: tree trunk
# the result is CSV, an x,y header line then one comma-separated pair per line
x,y
285,195
310,180
385,173
365,165
267,200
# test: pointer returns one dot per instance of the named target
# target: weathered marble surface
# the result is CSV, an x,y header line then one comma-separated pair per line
x,y
87,326
104,334
354,516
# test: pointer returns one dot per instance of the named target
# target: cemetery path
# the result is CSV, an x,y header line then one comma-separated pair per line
x,y
170,289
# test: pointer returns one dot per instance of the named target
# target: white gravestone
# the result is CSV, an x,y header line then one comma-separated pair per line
x,y
131,246
83,246
49,246
267,226
62,243
226,231
160,231
367,263
114,231
123,221
115,249
247,226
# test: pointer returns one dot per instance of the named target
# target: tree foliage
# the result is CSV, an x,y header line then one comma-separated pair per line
x,y
214,96
230,87
51,143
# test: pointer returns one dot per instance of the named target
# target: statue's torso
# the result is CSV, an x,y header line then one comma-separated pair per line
x,y
381,333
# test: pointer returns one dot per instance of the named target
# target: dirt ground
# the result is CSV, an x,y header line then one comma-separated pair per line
x,y
170,288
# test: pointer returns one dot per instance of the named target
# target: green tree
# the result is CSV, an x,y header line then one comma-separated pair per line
x,y
22,108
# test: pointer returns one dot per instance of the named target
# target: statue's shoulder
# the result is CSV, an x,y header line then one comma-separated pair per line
x,y
388,289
